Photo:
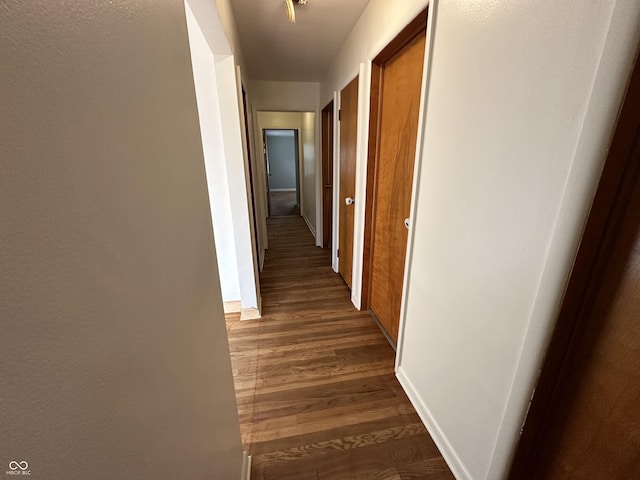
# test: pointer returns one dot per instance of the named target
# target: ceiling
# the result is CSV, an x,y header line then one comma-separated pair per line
x,y
274,49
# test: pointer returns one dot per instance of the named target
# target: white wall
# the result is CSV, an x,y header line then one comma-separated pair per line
x,y
237,174
310,161
114,357
225,15
204,75
215,76
226,18
521,100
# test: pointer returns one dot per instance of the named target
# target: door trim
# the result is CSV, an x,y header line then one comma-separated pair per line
x,y
417,26
327,161
620,173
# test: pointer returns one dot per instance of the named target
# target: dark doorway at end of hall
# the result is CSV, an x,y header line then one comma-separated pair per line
x,y
283,172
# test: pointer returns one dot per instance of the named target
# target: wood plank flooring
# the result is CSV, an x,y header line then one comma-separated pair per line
x,y
284,204
316,392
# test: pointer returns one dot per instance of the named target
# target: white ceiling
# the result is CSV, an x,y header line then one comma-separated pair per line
x,y
274,49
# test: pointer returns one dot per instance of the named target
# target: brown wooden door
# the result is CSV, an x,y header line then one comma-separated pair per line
x,y
327,174
400,83
348,138
595,432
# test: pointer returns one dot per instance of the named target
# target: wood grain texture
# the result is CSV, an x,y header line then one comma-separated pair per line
x,y
348,140
315,387
595,431
400,84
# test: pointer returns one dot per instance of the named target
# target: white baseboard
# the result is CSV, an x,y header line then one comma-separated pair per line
x,y
234,306
246,466
282,189
250,314
311,227
439,438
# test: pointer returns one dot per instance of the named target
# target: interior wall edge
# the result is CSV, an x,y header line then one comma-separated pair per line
x,y
336,180
362,151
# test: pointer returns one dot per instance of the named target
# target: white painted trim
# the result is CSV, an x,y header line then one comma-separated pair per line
x,y
247,183
417,169
317,143
260,178
439,438
283,189
336,181
250,314
362,150
311,228
300,145
246,466
233,306
235,158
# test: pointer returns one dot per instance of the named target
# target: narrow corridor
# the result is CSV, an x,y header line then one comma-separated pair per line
x,y
317,395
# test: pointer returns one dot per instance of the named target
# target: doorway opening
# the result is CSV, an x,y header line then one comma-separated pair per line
x,y
283,172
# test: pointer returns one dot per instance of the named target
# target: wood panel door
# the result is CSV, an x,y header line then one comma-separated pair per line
x,y
399,81
594,429
348,139
327,175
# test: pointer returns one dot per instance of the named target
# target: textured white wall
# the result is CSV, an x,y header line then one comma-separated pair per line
x,y
204,74
114,359
310,161
521,101
237,175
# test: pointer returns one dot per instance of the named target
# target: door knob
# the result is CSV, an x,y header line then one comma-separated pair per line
x,y
348,201
406,223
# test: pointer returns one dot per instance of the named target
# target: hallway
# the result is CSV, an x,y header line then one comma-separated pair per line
x,y
317,395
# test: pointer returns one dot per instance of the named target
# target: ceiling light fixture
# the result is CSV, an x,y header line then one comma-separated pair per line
x,y
291,12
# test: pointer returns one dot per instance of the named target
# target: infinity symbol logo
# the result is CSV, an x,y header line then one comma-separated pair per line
x,y
23,465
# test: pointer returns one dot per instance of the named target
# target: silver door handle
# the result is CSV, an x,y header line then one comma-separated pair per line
x,y
406,223
348,201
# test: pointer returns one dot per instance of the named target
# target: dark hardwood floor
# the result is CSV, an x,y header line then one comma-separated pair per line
x,y
284,204
316,391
